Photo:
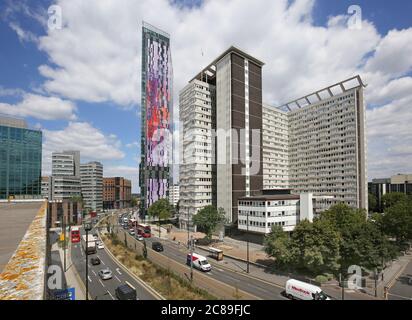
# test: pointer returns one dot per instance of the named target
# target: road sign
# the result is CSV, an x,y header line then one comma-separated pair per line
x,y
68,294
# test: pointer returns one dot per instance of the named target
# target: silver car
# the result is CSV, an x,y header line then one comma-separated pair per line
x,y
105,274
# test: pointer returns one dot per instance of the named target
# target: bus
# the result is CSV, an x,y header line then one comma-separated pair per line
x,y
144,230
75,234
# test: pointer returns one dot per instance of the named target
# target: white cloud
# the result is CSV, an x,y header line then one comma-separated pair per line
x,y
393,54
96,57
40,107
23,35
133,144
82,136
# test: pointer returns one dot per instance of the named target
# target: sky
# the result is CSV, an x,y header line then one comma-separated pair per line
x,y
80,84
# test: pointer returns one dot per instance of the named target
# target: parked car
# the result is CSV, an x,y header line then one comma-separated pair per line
x,y
100,245
131,232
126,292
410,281
139,237
157,246
95,261
105,274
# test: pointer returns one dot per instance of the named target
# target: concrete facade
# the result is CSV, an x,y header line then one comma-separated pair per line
x,y
91,175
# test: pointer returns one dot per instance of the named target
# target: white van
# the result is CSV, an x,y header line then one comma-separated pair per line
x,y
304,291
199,262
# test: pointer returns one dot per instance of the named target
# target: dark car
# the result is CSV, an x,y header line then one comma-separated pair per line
x,y
126,292
157,246
95,261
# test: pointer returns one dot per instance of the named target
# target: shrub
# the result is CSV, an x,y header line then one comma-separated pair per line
x,y
321,279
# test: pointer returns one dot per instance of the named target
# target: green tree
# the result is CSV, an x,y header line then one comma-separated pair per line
x,y
278,245
390,199
208,218
161,210
318,246
397,221
372,203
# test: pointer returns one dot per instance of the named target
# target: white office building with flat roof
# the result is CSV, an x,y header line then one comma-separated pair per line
x,y
91,175
326,145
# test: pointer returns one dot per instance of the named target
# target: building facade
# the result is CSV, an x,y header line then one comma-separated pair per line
x,y
157,92
326,145
174,194
117,193
227,100
275,133
197,169
379,187
64,212
91,176
65,180
45,187
20,160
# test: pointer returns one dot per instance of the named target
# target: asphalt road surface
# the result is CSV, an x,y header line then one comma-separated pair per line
x,y
105,289
259,289
402,290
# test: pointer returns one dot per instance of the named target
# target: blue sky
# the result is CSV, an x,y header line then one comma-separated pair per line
x,y
81,84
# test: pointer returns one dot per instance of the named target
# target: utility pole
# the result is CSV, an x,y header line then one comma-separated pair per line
x,y
341,281
188,231
87,228
376,282
247,242
191,259
64,242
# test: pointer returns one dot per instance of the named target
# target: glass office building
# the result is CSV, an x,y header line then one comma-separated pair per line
x,y
20,160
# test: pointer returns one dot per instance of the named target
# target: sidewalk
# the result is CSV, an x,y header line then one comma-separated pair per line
x,y
72,277
390,274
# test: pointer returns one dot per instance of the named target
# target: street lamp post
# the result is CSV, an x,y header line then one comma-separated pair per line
x,y
188,231
87,228
64,242
247,242
191,259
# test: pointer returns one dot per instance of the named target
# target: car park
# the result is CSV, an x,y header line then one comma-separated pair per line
x,y
105,274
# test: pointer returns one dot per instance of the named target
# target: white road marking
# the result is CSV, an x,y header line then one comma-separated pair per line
x,y
110,294
117,278
94,273
81,252
102,262
90,280
102,283
118,271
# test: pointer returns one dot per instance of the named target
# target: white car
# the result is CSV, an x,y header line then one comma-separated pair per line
x,y
100,245
105,274
139,237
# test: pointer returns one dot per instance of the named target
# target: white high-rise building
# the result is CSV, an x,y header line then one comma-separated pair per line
x,y
197,158
92,185
174,194
326,145
275,136
65,180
